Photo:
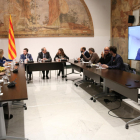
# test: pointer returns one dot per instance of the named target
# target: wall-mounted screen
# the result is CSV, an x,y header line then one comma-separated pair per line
x,y
134,43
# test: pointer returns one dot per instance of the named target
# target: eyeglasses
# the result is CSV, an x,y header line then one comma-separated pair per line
x,y
106,50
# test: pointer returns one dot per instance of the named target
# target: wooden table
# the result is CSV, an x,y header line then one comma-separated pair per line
x,y
116,80
36,66
19,92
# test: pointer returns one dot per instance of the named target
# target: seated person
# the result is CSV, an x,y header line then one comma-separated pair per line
x,y
61,55
86,53
94,58
45,56
138,55
116,61
3,59
106,56
26,56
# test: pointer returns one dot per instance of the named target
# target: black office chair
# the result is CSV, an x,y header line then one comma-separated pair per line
x,y
129,69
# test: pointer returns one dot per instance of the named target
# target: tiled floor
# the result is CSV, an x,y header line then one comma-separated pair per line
x,y
57,110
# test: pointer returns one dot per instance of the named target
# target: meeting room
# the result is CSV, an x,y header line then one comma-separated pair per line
x,y
69,69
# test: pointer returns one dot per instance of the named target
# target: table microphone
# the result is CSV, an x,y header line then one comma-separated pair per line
x,y
12,84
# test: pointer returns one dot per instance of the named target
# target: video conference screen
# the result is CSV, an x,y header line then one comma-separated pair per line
x,y
134,43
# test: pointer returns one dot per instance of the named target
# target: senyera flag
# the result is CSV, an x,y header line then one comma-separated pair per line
x,y
12,54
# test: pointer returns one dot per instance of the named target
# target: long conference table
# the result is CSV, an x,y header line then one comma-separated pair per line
x,y
120,81
19,92
114,79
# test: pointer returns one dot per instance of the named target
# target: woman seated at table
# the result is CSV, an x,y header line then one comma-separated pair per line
x,y
94,58
3,59
61,55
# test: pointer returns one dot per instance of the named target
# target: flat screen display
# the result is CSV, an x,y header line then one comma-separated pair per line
x,y
134,43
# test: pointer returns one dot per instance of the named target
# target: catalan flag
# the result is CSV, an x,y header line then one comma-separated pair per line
x,y
11,48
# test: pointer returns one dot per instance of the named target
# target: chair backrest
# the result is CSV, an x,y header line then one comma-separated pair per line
x,y
129,69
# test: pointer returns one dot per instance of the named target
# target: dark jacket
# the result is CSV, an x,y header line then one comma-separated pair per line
x,y
138,55
3,58
47,56
22,56
57,56
1,64
86,54
94,58
106,59
116,63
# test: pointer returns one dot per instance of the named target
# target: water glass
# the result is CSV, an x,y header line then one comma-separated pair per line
x,y
39,60
21,60
0,88
25,61
100,66
12,67
8,73
43,60
56,59
6,79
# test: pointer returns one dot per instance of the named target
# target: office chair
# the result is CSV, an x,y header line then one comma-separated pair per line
x,y
18,102
69,67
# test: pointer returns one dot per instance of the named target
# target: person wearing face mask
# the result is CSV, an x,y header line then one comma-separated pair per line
x,y
94,58
116,61
86,53
106,56
26,56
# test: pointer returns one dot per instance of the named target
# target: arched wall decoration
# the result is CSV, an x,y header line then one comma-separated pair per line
x,y
46,18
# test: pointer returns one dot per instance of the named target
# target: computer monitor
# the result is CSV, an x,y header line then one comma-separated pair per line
x,y
134,43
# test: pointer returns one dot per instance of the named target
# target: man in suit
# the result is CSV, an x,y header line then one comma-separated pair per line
x,y
86,53
45,56
106,56
116,61
28,57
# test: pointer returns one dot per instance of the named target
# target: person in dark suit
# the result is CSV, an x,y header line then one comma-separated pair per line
x,y
28,57
61,55
106,56
45,56
86,53
138,55
116,61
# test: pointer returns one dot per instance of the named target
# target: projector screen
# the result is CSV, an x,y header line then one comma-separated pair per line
x,y
134,43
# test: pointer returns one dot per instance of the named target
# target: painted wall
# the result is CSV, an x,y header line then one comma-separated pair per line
x,y
100,12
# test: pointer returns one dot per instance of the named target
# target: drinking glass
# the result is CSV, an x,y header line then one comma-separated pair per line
x,y
56,59
12,67
100,66
21,60
43,60
6,79
39,60
0,89
8,73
